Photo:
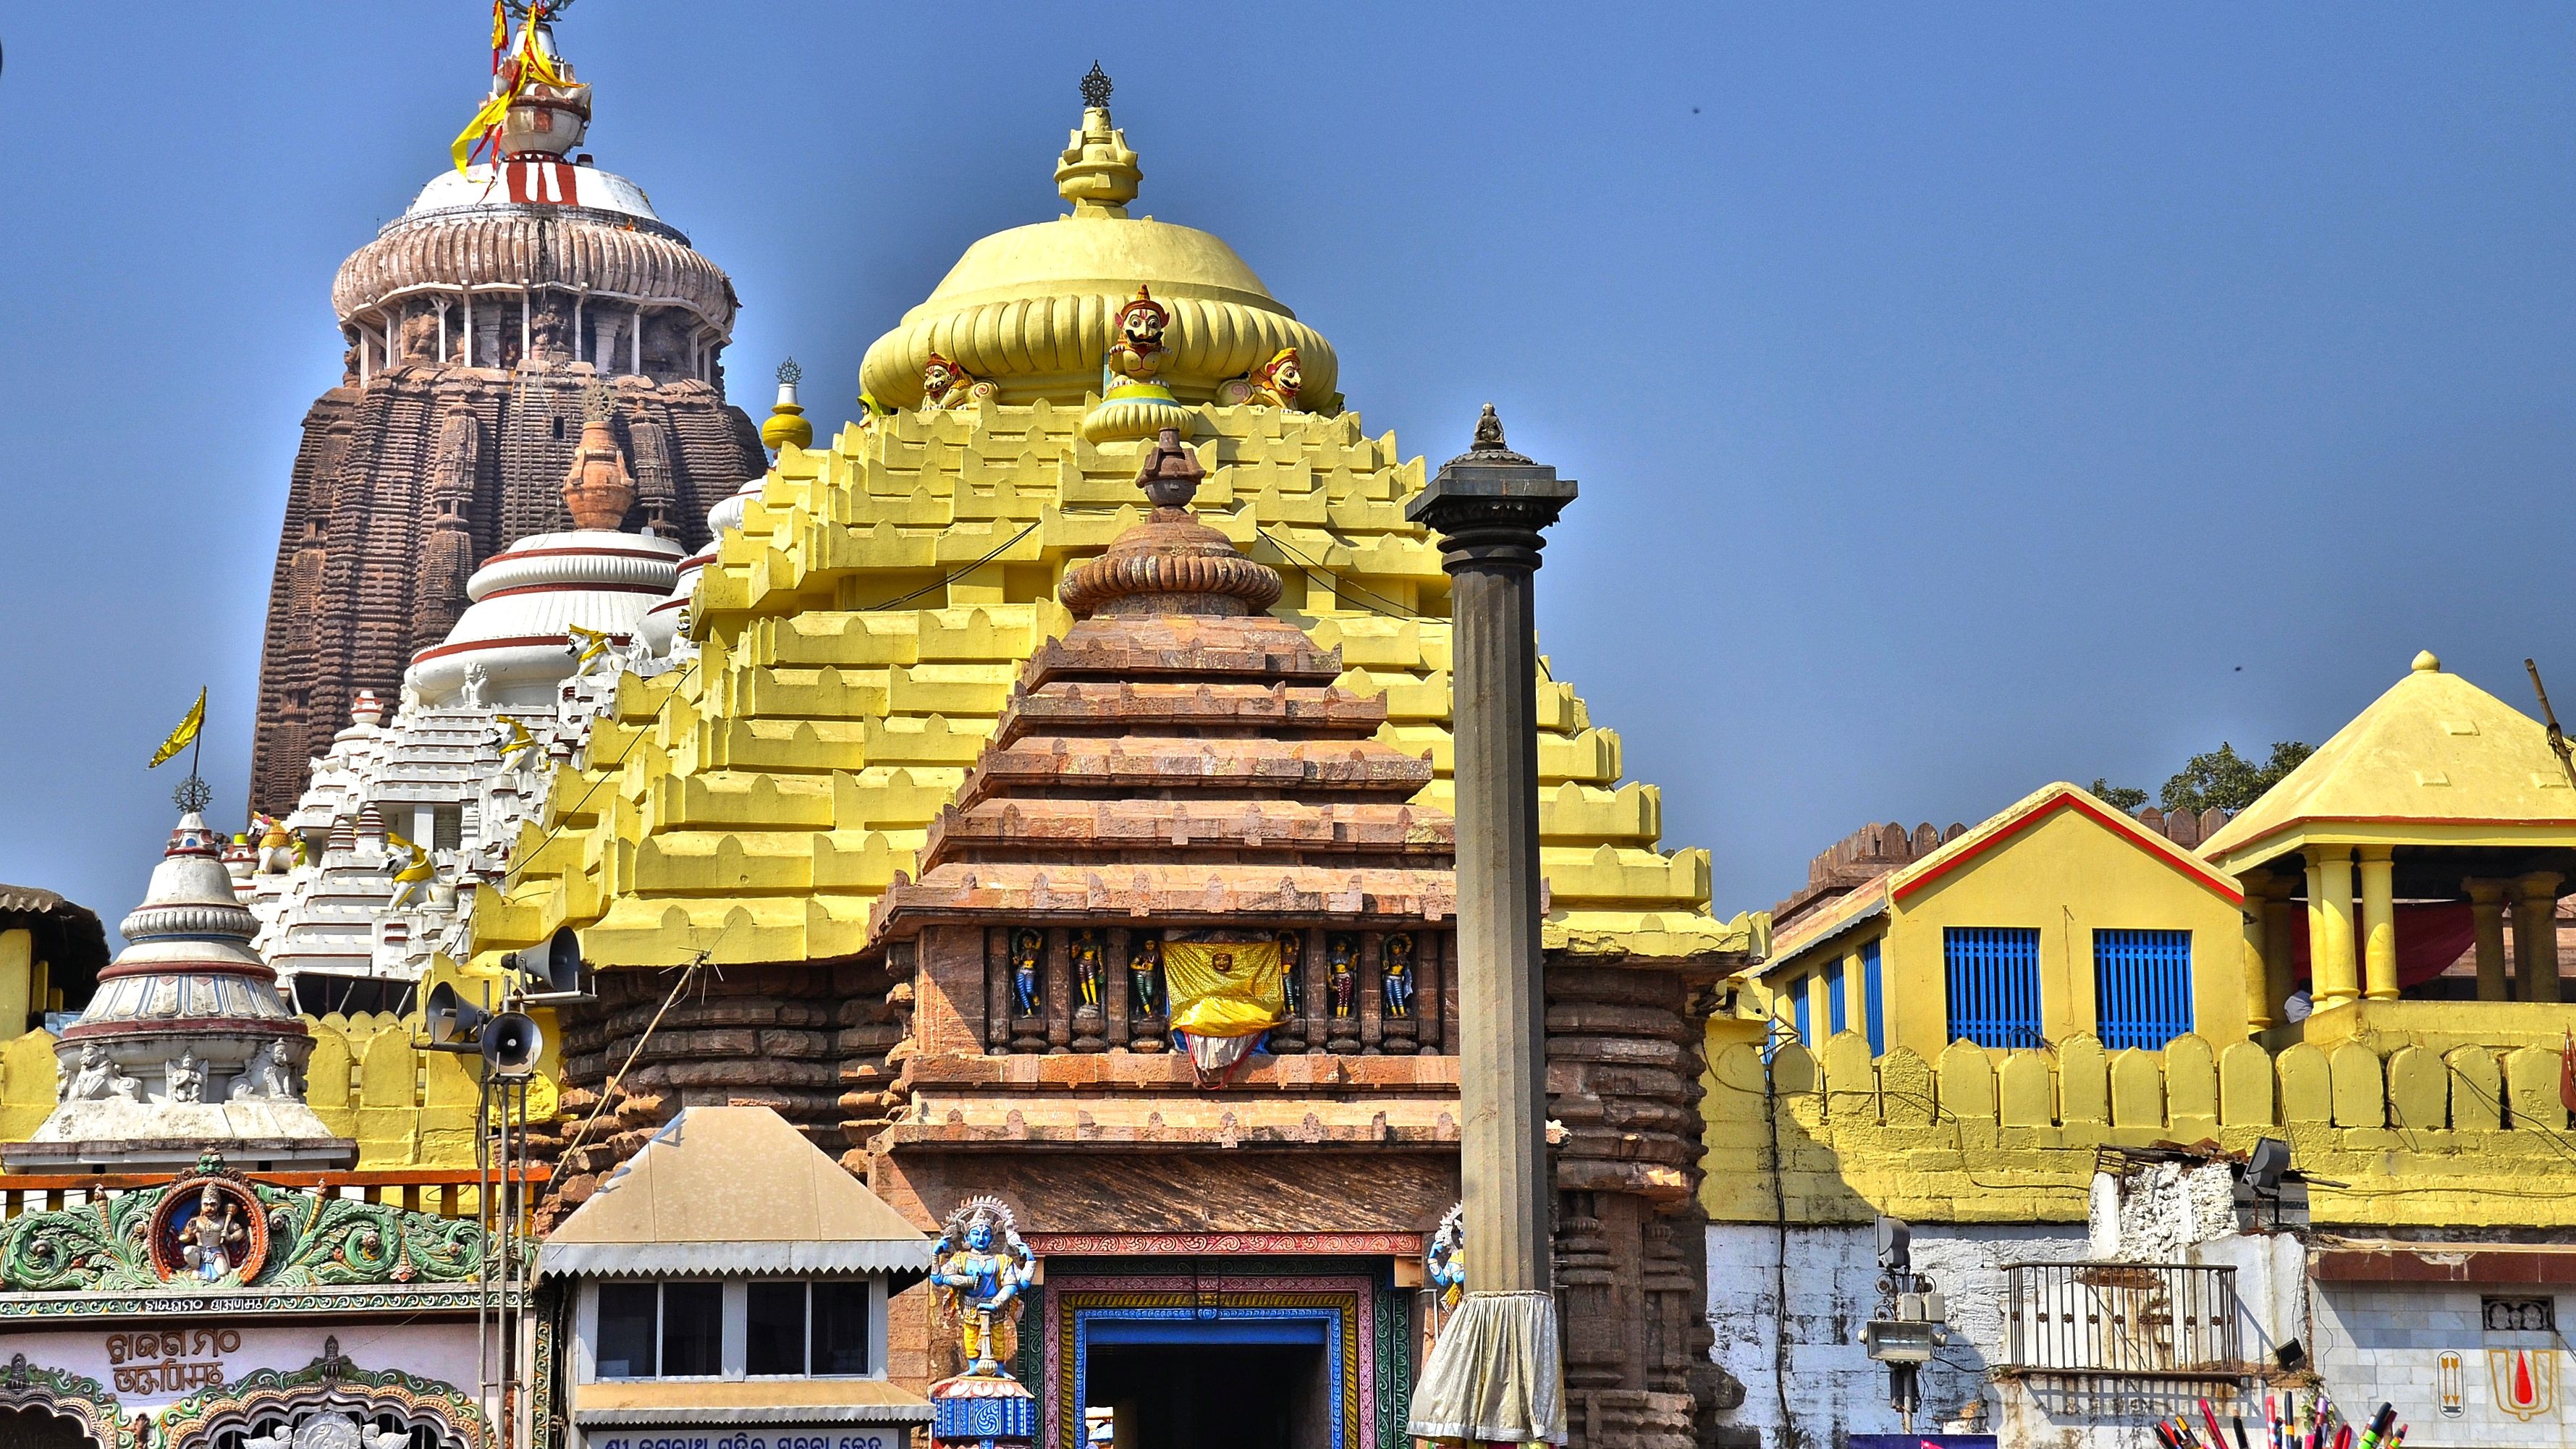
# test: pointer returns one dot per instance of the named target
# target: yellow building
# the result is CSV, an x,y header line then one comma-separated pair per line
x,y
2452,817
2080,1172
2059,916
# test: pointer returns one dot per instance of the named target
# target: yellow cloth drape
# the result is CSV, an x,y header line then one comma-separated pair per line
x,y
529,65
184,735
1224,988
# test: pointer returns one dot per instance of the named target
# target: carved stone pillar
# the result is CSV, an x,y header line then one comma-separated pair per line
x,y
2486,909
1490,506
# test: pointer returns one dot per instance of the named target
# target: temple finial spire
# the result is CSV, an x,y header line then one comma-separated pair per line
x,y
1097,172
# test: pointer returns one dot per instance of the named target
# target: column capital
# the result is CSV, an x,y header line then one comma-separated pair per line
x,y
1491,505
2326,854
2263,885
2378,854
2484,889
2539,884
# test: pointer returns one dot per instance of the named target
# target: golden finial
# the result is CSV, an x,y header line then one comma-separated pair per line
x,y
786,422
2426,662
1097,172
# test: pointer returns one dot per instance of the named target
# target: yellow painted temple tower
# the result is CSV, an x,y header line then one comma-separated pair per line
x,y
723,846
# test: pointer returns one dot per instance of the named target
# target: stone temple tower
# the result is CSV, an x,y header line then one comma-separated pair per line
x,y
475,324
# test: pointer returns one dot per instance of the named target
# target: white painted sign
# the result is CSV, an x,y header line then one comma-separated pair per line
x,y
150,1368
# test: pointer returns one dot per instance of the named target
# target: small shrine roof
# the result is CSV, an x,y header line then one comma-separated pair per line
x,y
733,1190
2434,760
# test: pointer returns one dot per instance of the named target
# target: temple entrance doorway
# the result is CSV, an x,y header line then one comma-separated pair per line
x,y
1210,1386
36,1429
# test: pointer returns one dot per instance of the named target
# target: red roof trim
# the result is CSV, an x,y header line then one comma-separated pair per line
x,y
515,641
2119,825
655,590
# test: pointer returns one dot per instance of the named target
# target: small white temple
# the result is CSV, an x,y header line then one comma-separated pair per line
x,y
186,1048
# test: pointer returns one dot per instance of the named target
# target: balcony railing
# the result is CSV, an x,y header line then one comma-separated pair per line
x,y
446,1192
2123,1320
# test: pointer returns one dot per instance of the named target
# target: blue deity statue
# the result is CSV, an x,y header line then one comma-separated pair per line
x,y
979,1268
1144,974
1396,974
1028,948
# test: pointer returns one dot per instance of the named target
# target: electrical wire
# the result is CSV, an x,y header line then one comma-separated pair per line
x,y
1340,586
952,577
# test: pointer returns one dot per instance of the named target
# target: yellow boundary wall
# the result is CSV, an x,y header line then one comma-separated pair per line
x,y
2466,1138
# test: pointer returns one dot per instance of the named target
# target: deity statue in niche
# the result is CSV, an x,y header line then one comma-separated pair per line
x,y
1396,974
979,1267
215,1240
1028,948
1085,951
1444,1262
945,386
1273,383
1292,975
1341,954
1137,353
1144,974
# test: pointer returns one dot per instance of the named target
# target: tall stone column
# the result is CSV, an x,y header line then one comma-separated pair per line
x,y
2271,894
1497,1373
2486,910
2378,923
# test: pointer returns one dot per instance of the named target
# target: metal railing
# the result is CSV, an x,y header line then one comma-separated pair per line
x,y
2141,1320
445,1192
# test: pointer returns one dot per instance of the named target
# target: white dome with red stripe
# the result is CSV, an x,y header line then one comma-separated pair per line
x,y
528,599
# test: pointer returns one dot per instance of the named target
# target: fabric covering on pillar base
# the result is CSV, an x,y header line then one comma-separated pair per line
x,y
1496,1374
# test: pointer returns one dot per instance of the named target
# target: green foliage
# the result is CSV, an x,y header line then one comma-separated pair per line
x,y
2118,797
2226,780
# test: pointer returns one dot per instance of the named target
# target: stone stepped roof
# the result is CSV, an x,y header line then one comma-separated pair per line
x,y
1100,796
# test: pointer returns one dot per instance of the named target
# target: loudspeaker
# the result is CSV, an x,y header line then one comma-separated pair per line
x,y
559,970
1895,1245
511,1044
454,1023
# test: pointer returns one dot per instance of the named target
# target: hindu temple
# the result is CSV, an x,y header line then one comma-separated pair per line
x,y
1051,822
512,300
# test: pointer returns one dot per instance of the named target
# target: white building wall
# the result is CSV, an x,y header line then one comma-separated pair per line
x,y
2378,1342
1832,1389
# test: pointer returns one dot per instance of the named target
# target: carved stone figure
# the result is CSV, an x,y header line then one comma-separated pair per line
x,y
1444,1260
946,386
1274,383
979,1268
1145,974
99,1079
477,679
1086,966
1028,948
1136,354
1396,975
266,1075
413,870
1340,952
213,1242
1292,974
187,1080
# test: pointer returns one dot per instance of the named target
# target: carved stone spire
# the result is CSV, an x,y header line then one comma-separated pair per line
x,y
1170,563
598,490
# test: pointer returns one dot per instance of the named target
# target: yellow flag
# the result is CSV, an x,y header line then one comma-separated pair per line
x,y
1224,988
184,735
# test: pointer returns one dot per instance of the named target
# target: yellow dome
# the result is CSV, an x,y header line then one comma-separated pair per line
x,y
1033,309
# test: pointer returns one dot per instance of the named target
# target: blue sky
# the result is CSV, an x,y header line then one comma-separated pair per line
x,y
1965,397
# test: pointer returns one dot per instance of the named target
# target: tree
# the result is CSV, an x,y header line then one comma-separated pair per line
x,y
2226,780
2118,797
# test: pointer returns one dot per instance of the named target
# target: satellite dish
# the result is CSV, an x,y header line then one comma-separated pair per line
x,y
454,1023
511,1043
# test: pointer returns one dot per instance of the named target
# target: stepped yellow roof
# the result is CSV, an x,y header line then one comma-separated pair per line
x,y
862,631
2434,761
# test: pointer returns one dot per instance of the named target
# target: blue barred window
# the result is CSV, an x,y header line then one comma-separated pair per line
x,y
1870,1006
1837,1015
2141,987
1993,977
1799,1007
